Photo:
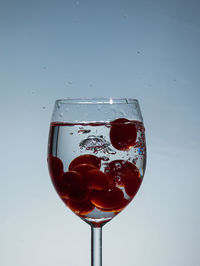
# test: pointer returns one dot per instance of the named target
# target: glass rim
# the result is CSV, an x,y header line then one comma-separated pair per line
x,y
107,100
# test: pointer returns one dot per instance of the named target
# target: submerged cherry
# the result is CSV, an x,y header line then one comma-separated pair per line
x,y
55,166
81,208
124,173
132,185
123,134
97,179
109,199
117,209
73,186
86,159
114,171
83,169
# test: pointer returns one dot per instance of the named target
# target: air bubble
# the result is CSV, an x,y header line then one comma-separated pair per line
x,y
99,107
104,158
84,131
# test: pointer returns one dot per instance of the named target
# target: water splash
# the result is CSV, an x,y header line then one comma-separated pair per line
x,y
95,144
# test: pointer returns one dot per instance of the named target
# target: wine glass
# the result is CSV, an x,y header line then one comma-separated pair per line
x,y
96,159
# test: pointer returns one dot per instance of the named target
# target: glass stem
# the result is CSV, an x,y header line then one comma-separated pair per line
x,y
96,246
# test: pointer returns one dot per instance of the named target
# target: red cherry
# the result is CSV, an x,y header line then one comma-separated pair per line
x,y
124,173
83,169
86,159
73,186
80,208
132,184
114,171
123,134
55,166
111,198
118,209
121,207
97,179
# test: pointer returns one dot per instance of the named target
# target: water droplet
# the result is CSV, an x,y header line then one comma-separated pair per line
x,y
70,82
140,151
134,161
43,107
122,113
61,115
118,165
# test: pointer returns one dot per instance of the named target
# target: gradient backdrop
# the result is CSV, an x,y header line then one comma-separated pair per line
x,y
148,50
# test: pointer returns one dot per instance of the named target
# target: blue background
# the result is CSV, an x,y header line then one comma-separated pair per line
x,y
145,49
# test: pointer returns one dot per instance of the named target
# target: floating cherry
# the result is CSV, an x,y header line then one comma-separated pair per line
x,y
123,134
